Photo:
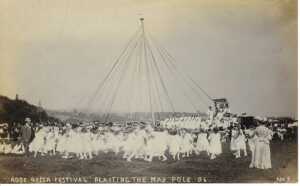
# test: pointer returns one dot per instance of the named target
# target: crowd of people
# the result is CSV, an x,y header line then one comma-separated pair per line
x,y
173,138
142,142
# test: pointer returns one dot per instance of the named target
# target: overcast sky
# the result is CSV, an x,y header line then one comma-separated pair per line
x,y
58,51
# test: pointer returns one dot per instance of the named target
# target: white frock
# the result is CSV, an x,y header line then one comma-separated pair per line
x,y
69,141
38,142
241,141
174,144
157,145
202,142
215,146
61,143
262,153
187,143
50,142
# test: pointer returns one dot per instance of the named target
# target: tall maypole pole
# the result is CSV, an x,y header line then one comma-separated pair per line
x,y
148,72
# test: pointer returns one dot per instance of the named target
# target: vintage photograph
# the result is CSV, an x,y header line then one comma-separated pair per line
x,y
148,91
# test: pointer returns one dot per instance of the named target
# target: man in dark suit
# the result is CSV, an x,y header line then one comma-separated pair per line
x,y
26,134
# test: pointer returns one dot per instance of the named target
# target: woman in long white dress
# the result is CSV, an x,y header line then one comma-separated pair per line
x,y
262,153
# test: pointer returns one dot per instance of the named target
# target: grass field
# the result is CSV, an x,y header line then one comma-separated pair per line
x,y
109,168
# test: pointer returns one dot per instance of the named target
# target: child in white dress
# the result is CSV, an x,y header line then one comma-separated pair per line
x,y
241,144
156,146
134,144
187,144
5,148
38,143
238,142
174,146
215,146
50,142
202,142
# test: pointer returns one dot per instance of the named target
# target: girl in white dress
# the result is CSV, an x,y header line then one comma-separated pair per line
x,y
122,141
238,142
133,145
215,146
118,142
241,144
174,146
37,144
50,142
112,142
79,146
202,142
143,135
100,144
56,139
125,147
61,142
68,146
17,149
86,148
72,149
156,146
5,148
92,137
187,144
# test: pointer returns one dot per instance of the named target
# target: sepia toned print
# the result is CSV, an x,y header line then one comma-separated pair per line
x,y
193,91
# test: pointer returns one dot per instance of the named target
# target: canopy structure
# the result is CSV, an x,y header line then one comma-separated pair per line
x,y
146,78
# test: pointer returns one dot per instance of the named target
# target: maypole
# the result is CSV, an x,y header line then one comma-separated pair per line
x,y
147,71
156,67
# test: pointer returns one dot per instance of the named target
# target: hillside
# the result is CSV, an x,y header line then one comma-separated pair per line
x,y
17,110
